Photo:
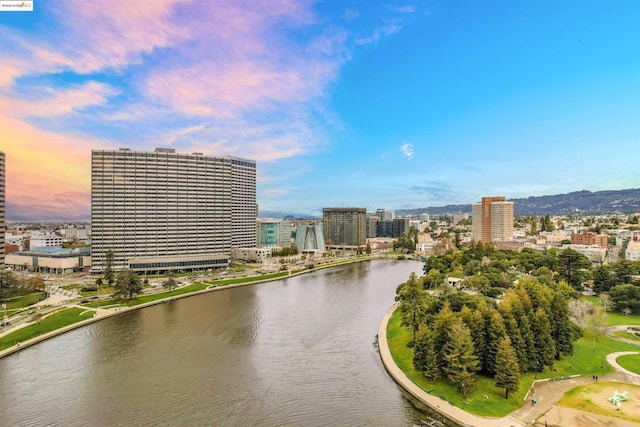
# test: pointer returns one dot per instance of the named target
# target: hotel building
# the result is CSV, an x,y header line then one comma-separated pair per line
x,y
162,210
492,220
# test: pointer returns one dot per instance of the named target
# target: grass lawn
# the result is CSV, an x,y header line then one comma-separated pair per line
x,y
586,360
630,362
248,279
627,335
495,406
150,297
48,324
614,318
25,300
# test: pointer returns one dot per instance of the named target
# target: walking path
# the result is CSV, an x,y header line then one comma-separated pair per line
x,y
451,412
611,358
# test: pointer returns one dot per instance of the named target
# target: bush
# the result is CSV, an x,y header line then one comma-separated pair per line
x,y
89,289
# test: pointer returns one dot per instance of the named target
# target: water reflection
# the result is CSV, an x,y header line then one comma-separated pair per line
x,y
298,351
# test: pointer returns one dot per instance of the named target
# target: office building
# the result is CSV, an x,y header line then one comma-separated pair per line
x,y
372,226
393,228
45,240
3,227
344,227
274,233
162,210
492,220
384,215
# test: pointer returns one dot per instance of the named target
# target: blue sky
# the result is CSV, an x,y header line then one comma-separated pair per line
x,y
373,104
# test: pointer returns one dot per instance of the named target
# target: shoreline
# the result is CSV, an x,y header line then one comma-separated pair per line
x,y
120,310
452,413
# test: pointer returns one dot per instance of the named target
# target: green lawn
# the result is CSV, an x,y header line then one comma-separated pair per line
x,y
630,362
627,335
586,360
48,324
25,300
249,279
150,297
614,318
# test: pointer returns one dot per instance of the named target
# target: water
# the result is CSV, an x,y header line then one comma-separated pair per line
x,y
299,351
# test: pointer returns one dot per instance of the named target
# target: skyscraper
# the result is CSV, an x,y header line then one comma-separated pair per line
x,y
492,220
162,210
2,217
344,226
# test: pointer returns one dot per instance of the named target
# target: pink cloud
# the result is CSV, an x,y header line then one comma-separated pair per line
x,y
58,102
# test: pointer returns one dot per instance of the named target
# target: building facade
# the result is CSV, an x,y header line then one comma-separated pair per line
x,y
393,228
310,238
590,238
45,240
274,233
3,227
492,220
162,210
344,227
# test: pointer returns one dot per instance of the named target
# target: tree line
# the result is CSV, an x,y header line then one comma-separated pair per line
x,y
458,338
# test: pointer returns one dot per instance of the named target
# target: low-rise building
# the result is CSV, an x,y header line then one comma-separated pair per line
x,y
44,240
258,255
590,238
50,260
632,253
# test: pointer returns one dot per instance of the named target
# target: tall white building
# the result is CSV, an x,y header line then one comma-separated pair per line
x,y
162,210
2,218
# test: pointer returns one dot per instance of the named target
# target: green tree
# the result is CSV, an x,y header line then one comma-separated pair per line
x,y
573,267
508,376
413,303
99,281
561,329
626,297
8,283
127,285
368,249
545,348
623,271
107,271
425,357
495,331
433,278
170,283
460,363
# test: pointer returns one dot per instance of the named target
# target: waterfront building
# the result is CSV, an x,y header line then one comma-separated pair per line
x,y
3,227
310,238
274,233
50,260
345,227
163,210
492,220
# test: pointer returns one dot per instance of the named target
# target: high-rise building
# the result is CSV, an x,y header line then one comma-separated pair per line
x,y
372,226
3,226
492,220
393,228
344,226
384,215
274,232
162,210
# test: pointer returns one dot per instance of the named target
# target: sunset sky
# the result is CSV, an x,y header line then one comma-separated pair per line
x,y
377,104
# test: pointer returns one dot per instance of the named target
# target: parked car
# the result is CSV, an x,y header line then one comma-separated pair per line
x,y
3,323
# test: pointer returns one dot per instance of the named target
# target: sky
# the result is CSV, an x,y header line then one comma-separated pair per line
x,y
376,104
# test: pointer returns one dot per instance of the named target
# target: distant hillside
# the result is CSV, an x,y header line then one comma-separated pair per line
x,y
579,202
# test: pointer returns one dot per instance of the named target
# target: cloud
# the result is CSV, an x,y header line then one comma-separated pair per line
x,y
378,33
57,102
403,9
407,150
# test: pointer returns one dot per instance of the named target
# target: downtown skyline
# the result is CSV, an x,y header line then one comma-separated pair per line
x,y
389,105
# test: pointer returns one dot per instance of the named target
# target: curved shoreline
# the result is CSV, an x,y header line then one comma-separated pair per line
x,y
452,413
103,314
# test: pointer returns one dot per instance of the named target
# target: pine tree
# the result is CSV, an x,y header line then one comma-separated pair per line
x,y
545,348
413,303
425,357
561,330
495,331
460,362
514,333
441,326
508,376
